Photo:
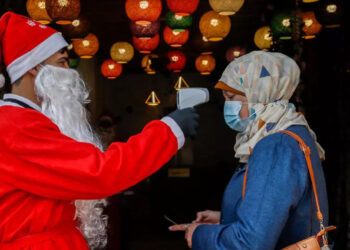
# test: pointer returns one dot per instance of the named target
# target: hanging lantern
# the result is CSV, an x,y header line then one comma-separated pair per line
x,y
205,64
87,47
175,38
234,52
122,52
146,45
310,1
329,13
73,62
281,26
111,69
146,63
214,27
177,61
182,7
79,28
63,11
263,38
37,11
142,30
311,26
143,11
181,84
226,7
200,47
152,99
177,22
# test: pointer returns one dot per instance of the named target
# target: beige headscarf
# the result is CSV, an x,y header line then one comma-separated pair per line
x,y
268,80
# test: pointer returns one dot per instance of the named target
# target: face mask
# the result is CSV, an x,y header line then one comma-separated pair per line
x,y
232,118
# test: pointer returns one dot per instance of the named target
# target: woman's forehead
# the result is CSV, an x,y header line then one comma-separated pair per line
x,y
228,93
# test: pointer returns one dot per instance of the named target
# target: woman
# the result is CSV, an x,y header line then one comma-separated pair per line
x,y
278,208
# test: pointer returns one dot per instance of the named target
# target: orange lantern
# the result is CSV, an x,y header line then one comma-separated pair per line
x,y
146,45
146,63
63,11
37,11
214,27
143,11
182,7
311,26
87,47
111,69
205,64
175,38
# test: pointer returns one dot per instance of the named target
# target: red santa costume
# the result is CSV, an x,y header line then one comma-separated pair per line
x,y
42,170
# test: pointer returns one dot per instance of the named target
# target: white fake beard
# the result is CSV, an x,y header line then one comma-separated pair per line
x,y
63,97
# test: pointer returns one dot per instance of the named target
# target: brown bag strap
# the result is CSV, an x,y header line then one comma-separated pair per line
x,y
322,235
307,152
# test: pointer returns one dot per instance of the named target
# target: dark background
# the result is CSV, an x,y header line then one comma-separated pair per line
x,y
136,216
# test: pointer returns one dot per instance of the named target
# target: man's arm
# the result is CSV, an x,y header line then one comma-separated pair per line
x,y
39,159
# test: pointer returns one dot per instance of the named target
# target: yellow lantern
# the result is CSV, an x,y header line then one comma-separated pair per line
x,y
214,27
310,1
86,47
226,7
122,52
263,38
37,11
152,99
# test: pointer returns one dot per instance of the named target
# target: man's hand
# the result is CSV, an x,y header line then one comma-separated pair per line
x,y
208,216
189,230
187,119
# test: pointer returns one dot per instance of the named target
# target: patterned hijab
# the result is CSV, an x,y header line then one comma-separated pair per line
x,y
268,80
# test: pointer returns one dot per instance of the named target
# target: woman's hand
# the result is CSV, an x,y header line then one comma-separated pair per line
x,y
188,228
208,217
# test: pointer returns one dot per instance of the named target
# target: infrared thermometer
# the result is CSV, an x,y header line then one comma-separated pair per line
x,y
190,97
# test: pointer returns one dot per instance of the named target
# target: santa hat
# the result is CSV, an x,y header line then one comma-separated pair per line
x,y
25,43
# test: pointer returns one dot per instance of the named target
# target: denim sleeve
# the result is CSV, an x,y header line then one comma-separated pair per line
x,y
274,186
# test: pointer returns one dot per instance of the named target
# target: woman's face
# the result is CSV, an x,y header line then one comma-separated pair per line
x,y
230,96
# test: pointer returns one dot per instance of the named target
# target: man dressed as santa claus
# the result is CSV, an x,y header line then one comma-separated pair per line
x,y
53,173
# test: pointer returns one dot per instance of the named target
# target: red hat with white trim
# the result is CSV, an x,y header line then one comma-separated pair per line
x,y
25,43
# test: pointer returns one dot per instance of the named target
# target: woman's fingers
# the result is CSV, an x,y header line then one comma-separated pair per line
x,y
201,216
180,227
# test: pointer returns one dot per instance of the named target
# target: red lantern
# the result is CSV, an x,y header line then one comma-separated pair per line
x,y
311,26
183,7
143,11
234,52
177,61
141,30
175,38
111,69
146,45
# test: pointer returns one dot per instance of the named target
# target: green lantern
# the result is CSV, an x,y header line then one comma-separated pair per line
x,y
74,62
281,26
178,23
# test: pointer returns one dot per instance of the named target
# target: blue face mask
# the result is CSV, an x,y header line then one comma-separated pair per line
x,y
232,118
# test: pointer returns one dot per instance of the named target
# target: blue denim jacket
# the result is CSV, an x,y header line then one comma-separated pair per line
x,y
279,207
